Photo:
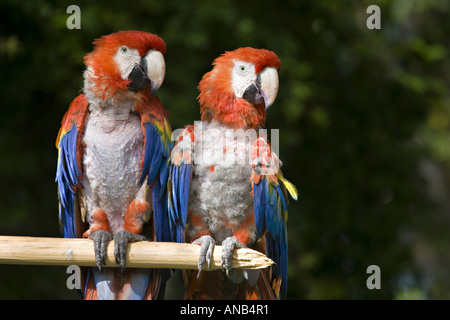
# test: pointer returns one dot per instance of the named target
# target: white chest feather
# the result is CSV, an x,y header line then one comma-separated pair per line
x,y
221,189
112,161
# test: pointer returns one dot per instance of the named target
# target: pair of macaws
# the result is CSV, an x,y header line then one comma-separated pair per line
x,y
121,177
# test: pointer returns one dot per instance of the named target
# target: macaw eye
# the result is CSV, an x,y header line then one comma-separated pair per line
x,y
124,49
242,68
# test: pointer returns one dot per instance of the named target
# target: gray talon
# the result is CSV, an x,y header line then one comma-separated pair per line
x,y
121,239
207,246
101,239
228,246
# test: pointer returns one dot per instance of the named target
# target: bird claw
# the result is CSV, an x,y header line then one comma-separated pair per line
x,y
101,239
121,240
228,245
207,246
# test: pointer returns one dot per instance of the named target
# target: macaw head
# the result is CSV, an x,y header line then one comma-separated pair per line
x,y
125,62
239,89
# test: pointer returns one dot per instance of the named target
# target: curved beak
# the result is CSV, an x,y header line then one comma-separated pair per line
x,y
269,85
149,72
265,89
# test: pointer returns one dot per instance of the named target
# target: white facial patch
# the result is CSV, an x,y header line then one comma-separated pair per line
x,y
126,59
242,76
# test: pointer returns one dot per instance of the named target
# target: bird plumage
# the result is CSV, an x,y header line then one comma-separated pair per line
x,y
113,150
224,182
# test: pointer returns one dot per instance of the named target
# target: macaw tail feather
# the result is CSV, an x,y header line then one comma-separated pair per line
x,y
215,285
132,284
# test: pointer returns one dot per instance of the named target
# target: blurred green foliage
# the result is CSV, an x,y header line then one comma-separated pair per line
x,y
364,119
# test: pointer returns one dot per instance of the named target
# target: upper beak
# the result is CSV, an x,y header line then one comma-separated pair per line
x,y
265,88
149,72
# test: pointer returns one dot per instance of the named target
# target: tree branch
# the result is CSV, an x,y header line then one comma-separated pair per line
x,y
143,254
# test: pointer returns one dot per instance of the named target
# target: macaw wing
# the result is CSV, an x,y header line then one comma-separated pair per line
x,y
69,169
270,206
155,170
155,162
179,183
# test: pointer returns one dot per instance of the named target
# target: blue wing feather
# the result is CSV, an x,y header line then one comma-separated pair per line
x,y
155,172
281,197
270,207
67,171
155,165
164,172
156,154
161,218
174,184
180,178
184,190
67,178
150,142
258,191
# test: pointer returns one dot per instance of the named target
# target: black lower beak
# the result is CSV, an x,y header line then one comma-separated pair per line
x,y
138,76
253,95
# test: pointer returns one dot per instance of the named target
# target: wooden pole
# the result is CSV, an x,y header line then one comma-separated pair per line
x,y
142,254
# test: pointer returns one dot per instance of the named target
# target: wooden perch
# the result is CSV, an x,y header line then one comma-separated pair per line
x,y
143,254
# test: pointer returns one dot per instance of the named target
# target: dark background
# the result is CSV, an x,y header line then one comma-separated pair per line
x,y
364,119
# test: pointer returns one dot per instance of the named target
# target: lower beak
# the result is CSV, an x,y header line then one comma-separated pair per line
x,y
139,77
253,94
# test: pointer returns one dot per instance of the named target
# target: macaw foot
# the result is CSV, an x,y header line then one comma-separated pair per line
x,y
101,239
207,246
228,245
121,239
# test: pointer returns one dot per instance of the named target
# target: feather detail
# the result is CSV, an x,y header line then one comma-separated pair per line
x,y
69,166
289,186
179,182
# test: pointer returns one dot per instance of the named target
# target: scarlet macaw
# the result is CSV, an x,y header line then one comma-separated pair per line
x,y
113,150
229,190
